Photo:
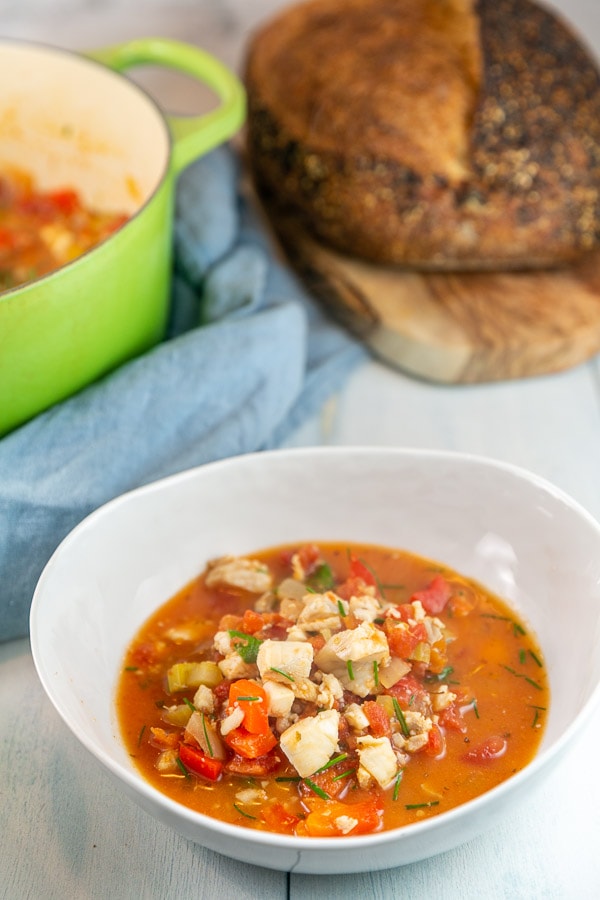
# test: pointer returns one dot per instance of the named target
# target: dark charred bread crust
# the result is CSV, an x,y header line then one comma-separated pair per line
x,y
517,187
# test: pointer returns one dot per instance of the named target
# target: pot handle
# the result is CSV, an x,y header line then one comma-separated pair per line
x,y
193,136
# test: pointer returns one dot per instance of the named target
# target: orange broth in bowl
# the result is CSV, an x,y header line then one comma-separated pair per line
x,y
330,690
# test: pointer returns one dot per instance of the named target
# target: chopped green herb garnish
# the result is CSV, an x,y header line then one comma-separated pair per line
x,y
332,762
536,659
316,789
475,708
518,629
376,672
248,699
341,609
440,676
206,737
182,767
397,785
286,779
246,645
350,668
141,735
281,672
421,805
132,668
242,813
400,717
321,579
190,704
379,620
343,774
522,657
520,675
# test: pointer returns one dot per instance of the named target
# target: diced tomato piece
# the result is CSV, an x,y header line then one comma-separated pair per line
x,y
359,570
410,694
256,718
488,750
199,763
436,745
251,622
453,719
249,745
435,596
308,557
262,765
278,818
401,640
322,820
65,201
379,721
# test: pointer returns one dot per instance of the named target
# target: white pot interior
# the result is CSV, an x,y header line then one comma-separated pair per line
x,y
71,122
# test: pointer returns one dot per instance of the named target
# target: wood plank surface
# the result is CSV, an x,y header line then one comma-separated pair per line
x,y
459,328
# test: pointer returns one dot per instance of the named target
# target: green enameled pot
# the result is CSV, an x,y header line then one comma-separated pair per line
x,y
75,121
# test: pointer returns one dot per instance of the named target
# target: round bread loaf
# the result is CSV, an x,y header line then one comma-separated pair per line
x,y
438,134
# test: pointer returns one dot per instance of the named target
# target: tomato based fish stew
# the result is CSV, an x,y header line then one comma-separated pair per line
x,y
331,690
40,231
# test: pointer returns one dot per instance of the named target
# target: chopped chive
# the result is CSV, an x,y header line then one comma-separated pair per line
x,y
341,609
242,813
494,616
332,762
376,672
536,716
445,673
397,785
522,657
189,703
350,668
285,779
132,668
379,620
411,699
141,735
475,708
248,699
400,717
182,767
520,675
343,774
421,805
281,672
536,659
206,737
518,629
316,789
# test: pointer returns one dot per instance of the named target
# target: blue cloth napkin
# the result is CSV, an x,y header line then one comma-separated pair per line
x,y
247,357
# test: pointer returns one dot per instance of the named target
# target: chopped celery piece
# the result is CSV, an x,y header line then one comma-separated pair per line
x,y
177,715
183,676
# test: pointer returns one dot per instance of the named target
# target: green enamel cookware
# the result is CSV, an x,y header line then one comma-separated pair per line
x,y
74,120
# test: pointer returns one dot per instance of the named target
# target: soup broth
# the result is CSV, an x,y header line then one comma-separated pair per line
x,y
331,690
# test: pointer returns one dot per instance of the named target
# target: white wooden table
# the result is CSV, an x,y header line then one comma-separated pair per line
x,y
67,832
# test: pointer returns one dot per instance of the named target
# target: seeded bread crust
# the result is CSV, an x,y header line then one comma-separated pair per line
x,y
436,134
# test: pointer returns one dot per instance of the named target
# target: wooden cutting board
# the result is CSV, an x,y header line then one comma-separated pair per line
x,y
461,327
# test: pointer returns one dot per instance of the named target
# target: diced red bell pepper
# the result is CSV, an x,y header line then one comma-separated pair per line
x,y
199,763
